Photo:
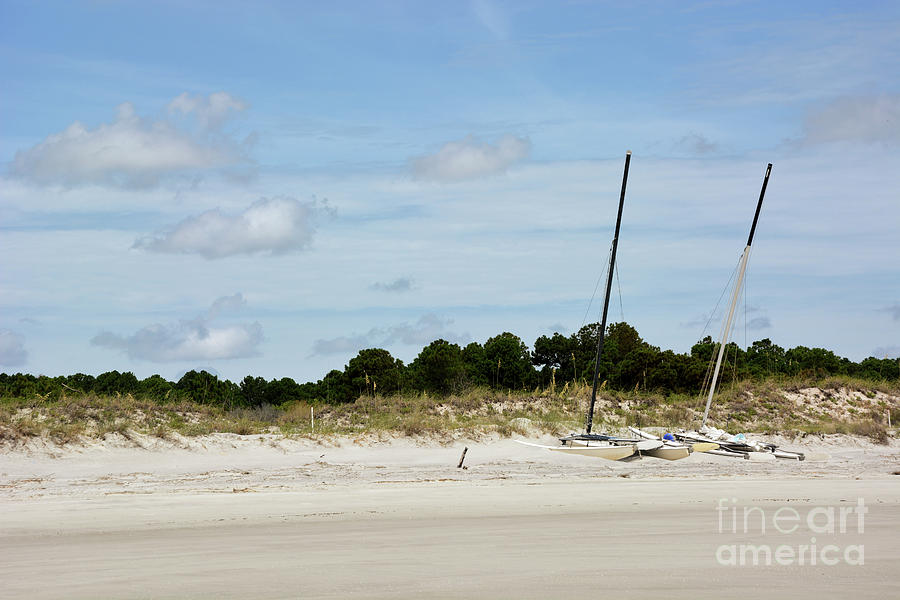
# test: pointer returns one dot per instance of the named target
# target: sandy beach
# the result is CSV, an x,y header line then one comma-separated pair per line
x,y
228,516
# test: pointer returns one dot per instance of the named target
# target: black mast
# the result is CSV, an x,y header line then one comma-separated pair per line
x,y
762,193
612,265
742,266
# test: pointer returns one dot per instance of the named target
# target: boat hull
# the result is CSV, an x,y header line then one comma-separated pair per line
x,y
668,452
704,446
610,452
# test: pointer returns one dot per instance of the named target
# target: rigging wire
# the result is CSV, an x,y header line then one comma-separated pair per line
x,y
722,295
619,285
737,349
746,310
710,366
596,286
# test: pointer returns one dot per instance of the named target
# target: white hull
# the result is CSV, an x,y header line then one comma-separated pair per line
x,y
646,446
759,451
669,452
609,452
788,455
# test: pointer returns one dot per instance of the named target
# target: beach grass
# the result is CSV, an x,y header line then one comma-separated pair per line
x,y
794,406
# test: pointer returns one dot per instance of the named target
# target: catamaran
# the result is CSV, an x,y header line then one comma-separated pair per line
x,y
609,446
737,446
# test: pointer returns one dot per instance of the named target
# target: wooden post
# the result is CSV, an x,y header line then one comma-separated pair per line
x,y
312,419
462,458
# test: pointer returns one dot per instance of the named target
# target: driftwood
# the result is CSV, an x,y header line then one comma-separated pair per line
x,y
462,458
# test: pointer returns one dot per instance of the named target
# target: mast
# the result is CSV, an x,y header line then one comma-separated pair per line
x,y
726,326
589,421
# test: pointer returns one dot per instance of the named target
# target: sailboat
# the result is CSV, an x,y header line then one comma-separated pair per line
x,y
602,445
737,446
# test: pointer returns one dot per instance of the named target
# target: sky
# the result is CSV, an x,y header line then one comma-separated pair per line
x,y
267,188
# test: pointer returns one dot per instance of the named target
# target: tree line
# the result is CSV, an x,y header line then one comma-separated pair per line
x,y
502,362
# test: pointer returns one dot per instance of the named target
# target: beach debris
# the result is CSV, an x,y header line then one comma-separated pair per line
x,y
462,458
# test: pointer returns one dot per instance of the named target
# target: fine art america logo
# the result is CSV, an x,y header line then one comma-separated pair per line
x,y
818,527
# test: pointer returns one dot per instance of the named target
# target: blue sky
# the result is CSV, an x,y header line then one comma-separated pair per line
x,y
266,188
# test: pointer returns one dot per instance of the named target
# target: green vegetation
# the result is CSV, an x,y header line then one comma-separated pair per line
x,y
502,363
795,406
500,386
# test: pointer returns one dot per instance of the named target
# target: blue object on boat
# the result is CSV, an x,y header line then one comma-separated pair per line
x,y
669,436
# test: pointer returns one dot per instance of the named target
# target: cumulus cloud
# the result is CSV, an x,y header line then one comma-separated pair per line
x,y
211,112
855,118
12,349
344,344
401,284
428,328
132,151
195,339
470,159
269,226
226,304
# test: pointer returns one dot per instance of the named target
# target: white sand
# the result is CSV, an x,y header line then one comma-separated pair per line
x,y
262,517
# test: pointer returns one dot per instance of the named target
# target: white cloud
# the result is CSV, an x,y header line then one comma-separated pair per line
x,y
226,304
195,339
12,348
344,344
470,159
211,111
428,328
684,225
132,151
401,284
269,226
856,118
